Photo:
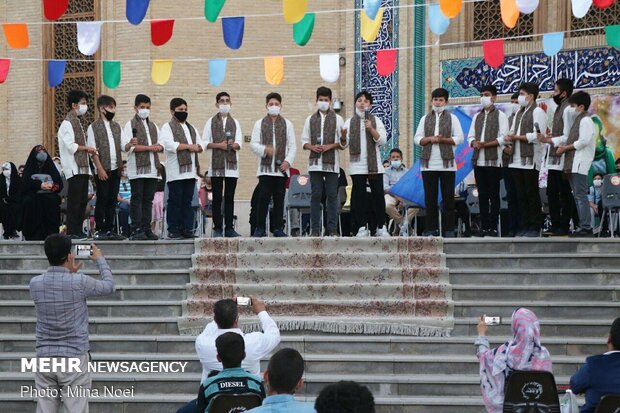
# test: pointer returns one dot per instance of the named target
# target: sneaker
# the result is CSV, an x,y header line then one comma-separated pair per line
x,y
362,232
78,237
139,236
116,237
434,233
217,234
278,233
582,233
174,236
531,234
315,233
187,234
231,233
259,233
295,232
403,231
479,233
382,232
150,235
449,234
491,233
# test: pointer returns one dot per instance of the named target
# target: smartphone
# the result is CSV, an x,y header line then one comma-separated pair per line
x,y
492,321
245,301
83,251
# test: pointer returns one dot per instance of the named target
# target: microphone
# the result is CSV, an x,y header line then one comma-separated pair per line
x,y
536,127
134,132
228,141
278,164
366,114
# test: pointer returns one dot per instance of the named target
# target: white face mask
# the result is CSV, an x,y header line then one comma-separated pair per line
x,y
323,106
597,183
522,101
144,113
515,107
486,101
7,173
438,109
82,110
360,112
224,109
273,110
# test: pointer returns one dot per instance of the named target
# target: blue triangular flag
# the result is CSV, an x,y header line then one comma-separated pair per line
x,y
552,43
217,71
437,22
55,72
232,27
135,10
371,7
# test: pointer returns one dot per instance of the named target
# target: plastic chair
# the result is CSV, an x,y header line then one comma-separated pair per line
x,y
531,392
225,403
610,198
299,198
610,403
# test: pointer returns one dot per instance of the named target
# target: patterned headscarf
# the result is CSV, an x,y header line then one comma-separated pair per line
x,y
523,352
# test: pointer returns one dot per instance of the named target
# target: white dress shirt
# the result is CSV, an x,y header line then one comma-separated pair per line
x,y
435,163
585,146
259,149
132,170
361,167
306,138
90,141
540,117
257,345
170,146
67,148
565,131
208,138
502,132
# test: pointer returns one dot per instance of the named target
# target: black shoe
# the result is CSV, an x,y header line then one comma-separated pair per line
x,y
491,233
521,233
217,233
295,232
315,233
78,237
101,236
449,234
187,234
231,233
582,233
259,233
116,237
150,235
278,233
479,233
531,234
434,233
139,236
174,236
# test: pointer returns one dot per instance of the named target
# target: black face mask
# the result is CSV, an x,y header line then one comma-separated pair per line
x,y
557,99
109,115
181,116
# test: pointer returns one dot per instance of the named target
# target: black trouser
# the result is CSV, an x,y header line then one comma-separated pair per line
x,y
141,207
107,193
511,199
432,180
179,212
561,202
228,186
77,199
268,187
360,204
487,181
528,198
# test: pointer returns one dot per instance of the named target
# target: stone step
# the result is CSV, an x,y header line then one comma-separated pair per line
x,y
100,325
517,276
534,260
525,245
556,327
176,292
161,247
465,292
122,262
99,308
543,309
177,276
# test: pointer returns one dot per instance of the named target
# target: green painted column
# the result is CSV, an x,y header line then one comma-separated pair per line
x,y
419,68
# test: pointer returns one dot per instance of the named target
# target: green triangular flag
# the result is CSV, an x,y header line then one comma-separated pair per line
x,y
213,9
302,30
111,73
612,35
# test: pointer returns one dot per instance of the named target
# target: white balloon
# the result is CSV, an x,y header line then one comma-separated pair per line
x,y
330,67
527,6
581,7
88,37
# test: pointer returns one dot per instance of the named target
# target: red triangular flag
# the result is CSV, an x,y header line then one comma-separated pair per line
x,y
161,31
54,9
5,64
603,4
386,61
493,52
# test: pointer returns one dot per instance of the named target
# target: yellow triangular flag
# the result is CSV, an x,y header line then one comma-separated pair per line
x,y
274,70
294,10
161,70
370,28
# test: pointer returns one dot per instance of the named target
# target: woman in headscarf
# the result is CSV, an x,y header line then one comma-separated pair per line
x,y
522,352
41,184
10,200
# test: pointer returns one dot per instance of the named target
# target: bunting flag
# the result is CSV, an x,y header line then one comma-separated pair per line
x,y
135,10
330,67
274,70
213,9
580,7
89,37
371,7
493,52
160,73
111,73
55,72
161,31
386,61
370,27
451,8
5,65
302,30
294,10
217,71
552,43
527,6
603,4
54,9
437,22
16,35
612,35
509,12
233,27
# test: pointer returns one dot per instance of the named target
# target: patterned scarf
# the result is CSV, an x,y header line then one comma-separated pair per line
x,y
143,159
505,157
329,137
573,136
524,122
557,130
523,352
267,129
103,143
221,157
445,131
184,157
355,146
491,129
81,157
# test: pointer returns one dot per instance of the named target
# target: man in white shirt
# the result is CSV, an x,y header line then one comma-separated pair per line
x,y
323,135
223,137
486,136
526,158
367,135
439,132
182,144
273,141
74,157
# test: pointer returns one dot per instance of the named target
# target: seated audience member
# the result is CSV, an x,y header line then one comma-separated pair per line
x,y
10,200
284,378
462,210
345,397
392,175
232,379
594,195
523,352
601,374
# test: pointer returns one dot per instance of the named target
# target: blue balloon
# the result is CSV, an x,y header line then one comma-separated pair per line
x,y
56,72
217,71
135,10
371,7
437,22
233,31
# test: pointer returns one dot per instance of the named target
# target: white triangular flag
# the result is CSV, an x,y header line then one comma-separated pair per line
x,y
330,67
89,37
